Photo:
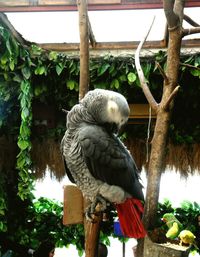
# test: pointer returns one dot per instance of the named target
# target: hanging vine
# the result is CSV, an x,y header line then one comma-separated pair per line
x,y
25,185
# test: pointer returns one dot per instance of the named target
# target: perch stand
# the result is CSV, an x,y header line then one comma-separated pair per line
x,y
73,213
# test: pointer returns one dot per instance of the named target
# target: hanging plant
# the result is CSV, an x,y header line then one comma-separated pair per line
x,y
25,186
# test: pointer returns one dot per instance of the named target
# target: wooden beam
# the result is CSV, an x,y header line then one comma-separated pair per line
x,y
140,111
69,5
64,47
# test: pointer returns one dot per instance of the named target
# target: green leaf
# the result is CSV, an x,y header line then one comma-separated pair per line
x,y
23,144
123,78
102,69
26,72
131,77
195,72
12,65
59,68
71,84
53,55
115,84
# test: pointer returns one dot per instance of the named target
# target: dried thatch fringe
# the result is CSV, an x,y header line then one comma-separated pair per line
x,y
181,158
46,154
138,150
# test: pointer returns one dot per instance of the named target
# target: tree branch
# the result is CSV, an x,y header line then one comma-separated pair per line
x,y
189,66
172,18
191,31
190,21
91,34
164,75
171,97
141,76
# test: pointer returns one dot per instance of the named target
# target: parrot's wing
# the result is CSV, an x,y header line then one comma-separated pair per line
x,y
108,160
69,175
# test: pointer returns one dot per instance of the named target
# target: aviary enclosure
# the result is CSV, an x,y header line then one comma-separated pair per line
x,y
27,69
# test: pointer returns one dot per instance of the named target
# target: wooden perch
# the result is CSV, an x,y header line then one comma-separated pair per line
x,y
145,88
191,31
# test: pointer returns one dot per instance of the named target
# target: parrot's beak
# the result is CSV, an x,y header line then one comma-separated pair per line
x,y
164,220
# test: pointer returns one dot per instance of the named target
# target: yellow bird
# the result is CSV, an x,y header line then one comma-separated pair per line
x,y
173,231
186,237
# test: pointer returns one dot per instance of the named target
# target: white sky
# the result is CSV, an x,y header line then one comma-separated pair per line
x,y
107,26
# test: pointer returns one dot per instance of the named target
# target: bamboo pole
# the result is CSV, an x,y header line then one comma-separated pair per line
x,y
92,229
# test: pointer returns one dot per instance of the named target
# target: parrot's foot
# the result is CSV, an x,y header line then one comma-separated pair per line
x,y
98,205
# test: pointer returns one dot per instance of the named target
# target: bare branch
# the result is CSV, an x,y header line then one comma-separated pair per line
x,y
189,66
171,97
91,34
141,76
190,21
191,31
162,72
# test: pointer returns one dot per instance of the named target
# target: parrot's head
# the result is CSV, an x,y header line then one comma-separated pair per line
x,y
168,217
107,108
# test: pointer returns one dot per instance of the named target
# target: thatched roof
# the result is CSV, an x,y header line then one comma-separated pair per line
x,y
46,154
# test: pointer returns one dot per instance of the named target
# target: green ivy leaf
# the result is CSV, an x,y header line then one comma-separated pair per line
x,y
23,144
40,70
12,65
115,84
102,69
26,72
53,55
59,68
131,77
123,78
71,84
195,72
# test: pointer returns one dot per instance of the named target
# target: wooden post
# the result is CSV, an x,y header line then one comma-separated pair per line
x,y
91,229
84,48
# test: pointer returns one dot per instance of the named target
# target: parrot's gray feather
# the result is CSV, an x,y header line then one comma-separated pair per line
x,y
108,159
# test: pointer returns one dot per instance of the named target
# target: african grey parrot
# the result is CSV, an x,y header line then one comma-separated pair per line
x,y
98,162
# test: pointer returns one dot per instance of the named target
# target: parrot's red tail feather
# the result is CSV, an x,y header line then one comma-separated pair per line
x,y
130,213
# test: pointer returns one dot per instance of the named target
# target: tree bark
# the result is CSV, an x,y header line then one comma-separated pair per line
x,y
84,48
174,15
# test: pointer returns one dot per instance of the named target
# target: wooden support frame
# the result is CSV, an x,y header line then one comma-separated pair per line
x,y
69,5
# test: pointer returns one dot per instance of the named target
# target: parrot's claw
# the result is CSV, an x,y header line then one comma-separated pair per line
x,y
98,205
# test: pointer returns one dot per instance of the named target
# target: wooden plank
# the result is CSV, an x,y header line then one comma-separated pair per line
x,y
140,111
104,1
73,205
62,47
12,3
72,2
56,2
